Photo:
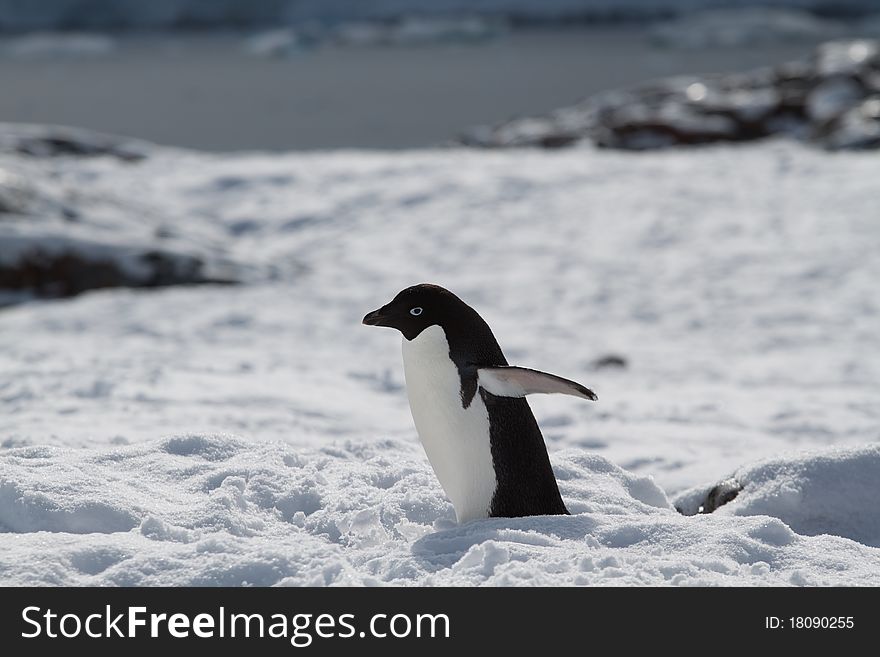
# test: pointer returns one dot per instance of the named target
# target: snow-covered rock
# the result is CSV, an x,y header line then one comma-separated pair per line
x,y
60,236
857,127
827,100
824,492
52,141
50,265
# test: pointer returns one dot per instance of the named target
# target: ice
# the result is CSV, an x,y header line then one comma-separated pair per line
x,y
743,26
57,45
274,43
403,31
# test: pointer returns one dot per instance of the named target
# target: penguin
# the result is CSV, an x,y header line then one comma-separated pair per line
x,y
469,409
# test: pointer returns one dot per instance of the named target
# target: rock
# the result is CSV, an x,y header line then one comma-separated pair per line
x,y
831,98
717,496
827,99
721,495
610,361
856,128
641,127
71,270
59,238
56,141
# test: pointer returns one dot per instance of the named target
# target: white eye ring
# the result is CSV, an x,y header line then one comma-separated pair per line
x,y
415,311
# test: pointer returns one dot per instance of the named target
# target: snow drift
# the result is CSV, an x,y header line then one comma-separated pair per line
x,y
829,492
215,510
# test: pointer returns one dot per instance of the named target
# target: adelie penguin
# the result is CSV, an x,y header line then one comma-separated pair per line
x,y
469,409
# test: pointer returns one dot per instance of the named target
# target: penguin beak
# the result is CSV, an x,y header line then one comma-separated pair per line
x,y
375,318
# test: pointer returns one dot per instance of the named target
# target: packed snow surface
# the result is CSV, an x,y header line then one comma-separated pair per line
x,y
259,434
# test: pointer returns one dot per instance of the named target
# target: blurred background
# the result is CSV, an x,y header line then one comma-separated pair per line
x,y
314,74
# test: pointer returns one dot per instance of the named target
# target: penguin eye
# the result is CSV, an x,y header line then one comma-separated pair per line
x,y
415,311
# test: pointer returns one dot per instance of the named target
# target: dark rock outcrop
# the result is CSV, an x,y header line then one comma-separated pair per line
x,y
55,141
610,361
58,239
67,272
831,99
715,497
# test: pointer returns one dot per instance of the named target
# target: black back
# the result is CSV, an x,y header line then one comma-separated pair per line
x,y
526,484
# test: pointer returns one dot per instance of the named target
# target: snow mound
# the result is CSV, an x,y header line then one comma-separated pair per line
x,y
217,510
821,492
40,141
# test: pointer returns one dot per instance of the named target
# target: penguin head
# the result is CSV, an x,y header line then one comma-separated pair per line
x,y
416,308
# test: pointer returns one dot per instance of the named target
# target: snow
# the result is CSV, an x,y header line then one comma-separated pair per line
x,y
43,222
258,434
215,510
827,491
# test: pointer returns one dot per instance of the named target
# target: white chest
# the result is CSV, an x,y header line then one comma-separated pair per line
x,y
456,439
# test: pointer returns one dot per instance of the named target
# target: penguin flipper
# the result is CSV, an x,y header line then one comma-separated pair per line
x,y
521,381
